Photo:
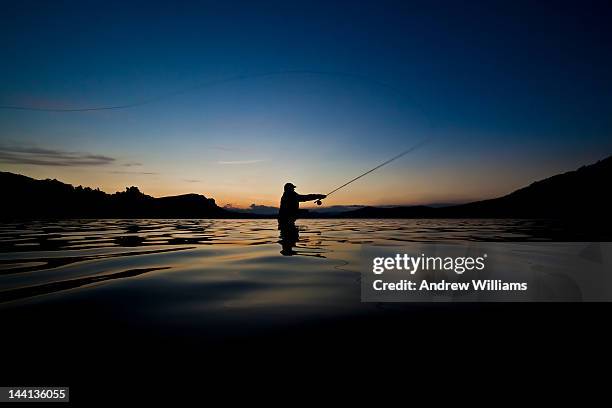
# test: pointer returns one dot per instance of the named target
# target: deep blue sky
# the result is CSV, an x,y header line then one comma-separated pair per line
x,y
507,93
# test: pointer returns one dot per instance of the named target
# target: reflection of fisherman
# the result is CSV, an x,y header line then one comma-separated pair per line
x,y
289,236
290,203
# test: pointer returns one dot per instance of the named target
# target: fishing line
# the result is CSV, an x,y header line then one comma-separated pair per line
x,y
207,84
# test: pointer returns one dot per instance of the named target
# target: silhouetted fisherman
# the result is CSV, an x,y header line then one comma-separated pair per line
x,y
290,204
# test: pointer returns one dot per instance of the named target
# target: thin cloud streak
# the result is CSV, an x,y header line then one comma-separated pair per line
x,y
227,148
38,156
148,173
239,162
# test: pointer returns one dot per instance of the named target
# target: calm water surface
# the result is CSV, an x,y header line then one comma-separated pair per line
x,y
198,274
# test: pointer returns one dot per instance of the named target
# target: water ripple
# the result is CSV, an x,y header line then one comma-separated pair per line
x,y
43,257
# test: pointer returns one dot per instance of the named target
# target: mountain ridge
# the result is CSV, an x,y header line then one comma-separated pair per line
x,y
25,195
576,193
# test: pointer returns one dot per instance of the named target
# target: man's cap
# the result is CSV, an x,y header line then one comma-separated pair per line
x,y
289,185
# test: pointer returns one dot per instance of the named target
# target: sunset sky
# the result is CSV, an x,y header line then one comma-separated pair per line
x,y
504,94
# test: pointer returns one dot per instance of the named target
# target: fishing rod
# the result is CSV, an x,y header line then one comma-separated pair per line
x,y
405,152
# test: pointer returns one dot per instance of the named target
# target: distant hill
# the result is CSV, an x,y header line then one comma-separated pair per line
x,y
25,197
583,193
417,211
335,209
578,194
316,212
254,209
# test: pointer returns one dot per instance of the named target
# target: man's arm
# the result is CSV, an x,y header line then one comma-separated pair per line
x,y
310,197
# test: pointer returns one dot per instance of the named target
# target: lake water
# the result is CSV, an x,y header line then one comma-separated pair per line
x,y
89,287
211,264
198,272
